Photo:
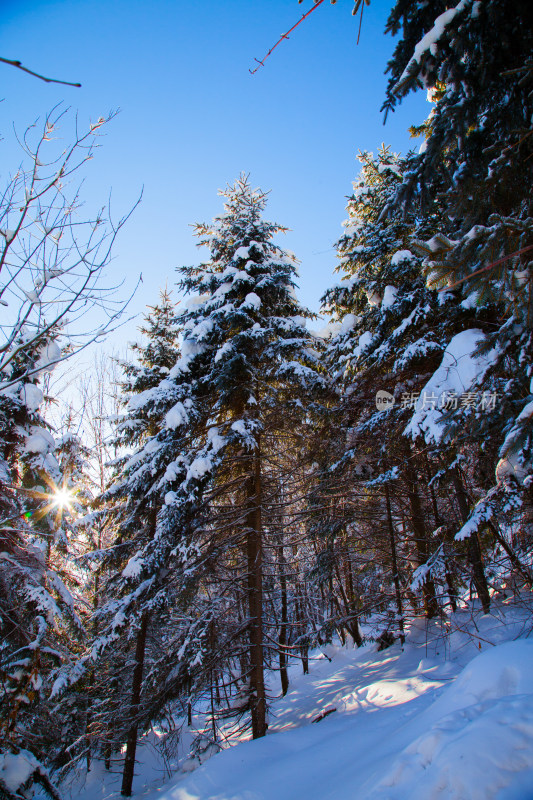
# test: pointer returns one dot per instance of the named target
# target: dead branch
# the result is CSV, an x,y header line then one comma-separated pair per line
x,y
285,36
19,65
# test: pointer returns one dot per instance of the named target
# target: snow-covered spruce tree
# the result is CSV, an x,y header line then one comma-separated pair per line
x,y
245,332
476,60
190,502
391,334
40,626
130,588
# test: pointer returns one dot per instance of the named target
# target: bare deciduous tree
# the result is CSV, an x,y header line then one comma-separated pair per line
x,y
52,259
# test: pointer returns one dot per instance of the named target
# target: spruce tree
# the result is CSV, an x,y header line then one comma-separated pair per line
x,y
391,335
39,619
247,326
475,60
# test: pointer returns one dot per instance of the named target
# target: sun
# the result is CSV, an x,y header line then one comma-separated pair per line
x,y
62,498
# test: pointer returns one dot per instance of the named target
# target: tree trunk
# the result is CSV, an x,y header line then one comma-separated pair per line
x,y
513,558
474,550
107,755
136,686
254,546
394,562
438,523
301,628
351,625
282,638
431,606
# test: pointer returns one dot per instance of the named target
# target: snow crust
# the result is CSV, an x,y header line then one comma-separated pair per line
x,y
480,733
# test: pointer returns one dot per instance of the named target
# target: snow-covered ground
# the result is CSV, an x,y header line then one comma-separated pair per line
x,y
450,717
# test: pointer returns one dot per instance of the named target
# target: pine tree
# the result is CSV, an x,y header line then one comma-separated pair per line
x,y
192,502
134,504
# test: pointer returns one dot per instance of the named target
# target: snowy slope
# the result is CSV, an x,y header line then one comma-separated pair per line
x,y
449,717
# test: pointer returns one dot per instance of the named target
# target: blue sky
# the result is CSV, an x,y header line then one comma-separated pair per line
x,y
192,117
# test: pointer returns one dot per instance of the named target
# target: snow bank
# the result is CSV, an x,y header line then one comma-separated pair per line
x,y
436,720
481,738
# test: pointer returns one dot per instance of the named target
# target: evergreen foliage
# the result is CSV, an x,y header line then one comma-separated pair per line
x,y
272,488
477,160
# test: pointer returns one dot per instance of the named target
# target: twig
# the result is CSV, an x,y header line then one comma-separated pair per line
x,y
360,23
284,36
324,714
489,266
18,65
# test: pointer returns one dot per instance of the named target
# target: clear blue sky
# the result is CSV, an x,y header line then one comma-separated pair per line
x,y
192,117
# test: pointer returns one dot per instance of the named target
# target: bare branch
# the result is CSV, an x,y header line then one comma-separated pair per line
x,y
285,36
51,260
18,65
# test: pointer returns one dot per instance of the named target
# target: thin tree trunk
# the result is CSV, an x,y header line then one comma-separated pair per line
x,y
394,561
304,649
513,558
351,624
474,550
254,546
213,715
431,606
131,745
350,593
282,638
438,523
107,754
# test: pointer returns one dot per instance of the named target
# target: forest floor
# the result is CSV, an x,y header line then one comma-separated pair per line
x,y
447,717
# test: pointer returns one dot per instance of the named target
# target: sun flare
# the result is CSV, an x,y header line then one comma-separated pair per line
x,y
63,498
